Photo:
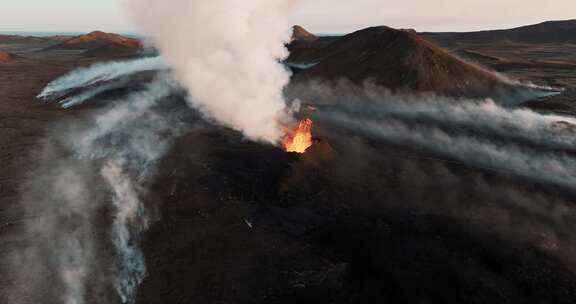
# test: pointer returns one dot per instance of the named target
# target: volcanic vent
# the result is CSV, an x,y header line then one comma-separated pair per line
x,y
299,139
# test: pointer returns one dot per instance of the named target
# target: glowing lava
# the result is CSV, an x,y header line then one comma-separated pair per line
x,y
299,139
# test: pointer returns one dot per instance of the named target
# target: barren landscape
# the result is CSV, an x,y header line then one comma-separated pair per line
x,y
416,190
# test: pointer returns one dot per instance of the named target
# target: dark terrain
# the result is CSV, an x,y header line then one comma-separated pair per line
x,y
352,220
557,32
100,44
401,61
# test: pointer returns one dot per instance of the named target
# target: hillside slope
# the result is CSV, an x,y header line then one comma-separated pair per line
x,y
398,60
96,40
563,31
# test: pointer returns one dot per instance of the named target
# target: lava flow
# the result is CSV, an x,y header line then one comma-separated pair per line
x,y
299,139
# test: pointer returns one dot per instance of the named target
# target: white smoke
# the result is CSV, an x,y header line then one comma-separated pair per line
x,y
90,93
482,117
116,150
553,167
227,54
58,233
129,222
114,135
100,72
130,137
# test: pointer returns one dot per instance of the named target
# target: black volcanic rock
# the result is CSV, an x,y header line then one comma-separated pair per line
x,y
113,51
398,60
546,32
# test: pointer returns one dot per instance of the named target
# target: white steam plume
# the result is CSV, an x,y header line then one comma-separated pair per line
x,y
97,73
226,53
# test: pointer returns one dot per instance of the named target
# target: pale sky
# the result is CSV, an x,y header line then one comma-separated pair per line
x,y
326,16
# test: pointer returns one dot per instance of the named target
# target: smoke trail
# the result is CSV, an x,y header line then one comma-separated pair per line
x,y
64,202
131,138
91,93
226,53
58,251
129,130
553,167
483,117
129,222
100,72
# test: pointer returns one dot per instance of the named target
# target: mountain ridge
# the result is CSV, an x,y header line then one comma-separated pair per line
x,y
555,31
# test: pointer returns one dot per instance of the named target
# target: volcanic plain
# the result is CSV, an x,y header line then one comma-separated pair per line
x,y
352,220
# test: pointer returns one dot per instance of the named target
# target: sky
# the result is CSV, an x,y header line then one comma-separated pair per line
x,y
320,16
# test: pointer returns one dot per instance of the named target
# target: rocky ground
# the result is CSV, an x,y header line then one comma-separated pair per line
x,y
351,221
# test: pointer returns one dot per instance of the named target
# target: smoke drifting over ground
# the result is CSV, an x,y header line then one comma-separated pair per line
x,y
477,132
226,54
90,169
481,117
98,73
88,204
553,167
473,160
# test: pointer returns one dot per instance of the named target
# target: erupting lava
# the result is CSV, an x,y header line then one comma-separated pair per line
x,y
299,139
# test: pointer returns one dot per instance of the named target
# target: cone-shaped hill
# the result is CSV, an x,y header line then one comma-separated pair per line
x,y
398,60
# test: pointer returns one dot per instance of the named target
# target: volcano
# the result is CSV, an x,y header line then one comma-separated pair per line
x,y
100,43
399,60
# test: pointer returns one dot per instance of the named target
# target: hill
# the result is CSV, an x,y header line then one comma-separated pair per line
x,y
301,34
96,40
399,60
563,31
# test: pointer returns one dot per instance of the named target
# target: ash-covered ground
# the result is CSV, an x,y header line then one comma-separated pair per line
x,y
399,200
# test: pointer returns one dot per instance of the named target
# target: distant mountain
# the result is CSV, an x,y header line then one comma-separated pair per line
x,y
14,39
396,59
97,39
60,38
545,32
301,34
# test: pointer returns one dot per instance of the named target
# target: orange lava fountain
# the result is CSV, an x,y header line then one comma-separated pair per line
x,y
299,139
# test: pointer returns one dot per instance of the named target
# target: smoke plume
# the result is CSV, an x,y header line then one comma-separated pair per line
x,y
481,133
226,53
97,73
557,168
481,117
115,150
129,222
